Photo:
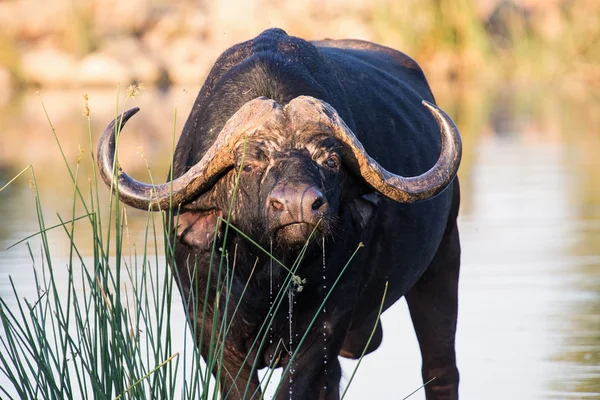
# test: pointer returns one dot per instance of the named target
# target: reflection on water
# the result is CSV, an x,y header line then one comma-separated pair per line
x,y
529,323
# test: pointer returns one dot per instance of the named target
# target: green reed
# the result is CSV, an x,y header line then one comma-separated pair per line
x,y
107,333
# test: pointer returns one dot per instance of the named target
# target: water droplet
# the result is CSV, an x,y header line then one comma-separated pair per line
x,y
290,314
324,312
271,297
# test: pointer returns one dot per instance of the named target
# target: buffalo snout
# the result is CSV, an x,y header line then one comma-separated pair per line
x,y
296,208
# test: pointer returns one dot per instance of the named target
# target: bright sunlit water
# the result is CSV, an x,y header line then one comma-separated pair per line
x,y
529,318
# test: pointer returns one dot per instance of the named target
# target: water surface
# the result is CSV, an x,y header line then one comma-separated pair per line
x,y
529,317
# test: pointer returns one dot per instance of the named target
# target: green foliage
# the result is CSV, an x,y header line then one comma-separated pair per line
x,y
452,41
79,37
85,340
9,57
106,333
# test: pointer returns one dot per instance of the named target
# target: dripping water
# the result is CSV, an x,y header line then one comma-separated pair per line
x,y
271,303
324,322
291,350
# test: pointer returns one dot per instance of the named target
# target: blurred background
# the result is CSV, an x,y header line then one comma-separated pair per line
x,y
521,79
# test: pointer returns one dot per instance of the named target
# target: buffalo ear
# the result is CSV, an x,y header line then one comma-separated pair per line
x,y
197,228
363,208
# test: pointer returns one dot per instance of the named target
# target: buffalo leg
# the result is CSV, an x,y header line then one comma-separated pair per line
x,y
330,389
234,389
235,376
316,368
433,305
357,339
312,379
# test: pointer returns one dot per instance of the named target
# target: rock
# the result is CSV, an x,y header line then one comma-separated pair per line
x,y
143,66
167,27
29,20
48,67
189,21
101,69
116,16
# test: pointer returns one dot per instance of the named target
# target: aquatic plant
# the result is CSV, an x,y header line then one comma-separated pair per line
x,y
106,332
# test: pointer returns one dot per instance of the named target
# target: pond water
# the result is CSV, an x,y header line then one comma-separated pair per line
x,y
529,317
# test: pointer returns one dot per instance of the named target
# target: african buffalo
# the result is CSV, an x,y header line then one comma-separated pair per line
x,y
339,137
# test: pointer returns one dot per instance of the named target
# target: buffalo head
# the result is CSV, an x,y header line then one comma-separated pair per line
x,y
292,161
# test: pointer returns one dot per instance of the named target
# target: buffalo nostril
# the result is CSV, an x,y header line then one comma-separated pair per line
x,y
318,203
276,205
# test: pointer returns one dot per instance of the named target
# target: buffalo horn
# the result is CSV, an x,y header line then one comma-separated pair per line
x,y
198,179
396,187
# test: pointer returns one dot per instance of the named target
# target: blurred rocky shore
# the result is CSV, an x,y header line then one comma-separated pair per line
x,y
74,43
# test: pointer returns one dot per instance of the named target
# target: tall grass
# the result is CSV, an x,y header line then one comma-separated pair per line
x,y
107,333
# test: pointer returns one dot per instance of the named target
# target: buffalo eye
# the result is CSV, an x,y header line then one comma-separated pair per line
x,y
247,168
332,162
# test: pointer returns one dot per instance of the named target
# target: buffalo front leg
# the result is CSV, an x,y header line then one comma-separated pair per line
x,y
315,372
237,382
313,378
234,373
433,305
